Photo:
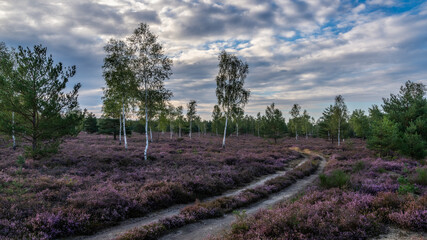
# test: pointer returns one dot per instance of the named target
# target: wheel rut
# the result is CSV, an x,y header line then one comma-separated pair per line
x,y
124,226
211,227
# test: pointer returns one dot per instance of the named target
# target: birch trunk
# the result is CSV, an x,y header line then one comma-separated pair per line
x,y
151,135
306,132
225,131
120,129
339,128
124,127
296,133
13,130
190,129
146,124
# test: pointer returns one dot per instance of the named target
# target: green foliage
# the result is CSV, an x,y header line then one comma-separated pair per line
x,y
191,113
43,149
162,121
359,123
274,123
111,126
240,225
359,166
230,82
217,119
405,186
385,137
90,123
337,179
294,122
414,144
138,126
405,117
420,176
32,87
20,161
327,127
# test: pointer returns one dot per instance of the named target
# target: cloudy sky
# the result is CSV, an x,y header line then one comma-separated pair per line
x,y
298,51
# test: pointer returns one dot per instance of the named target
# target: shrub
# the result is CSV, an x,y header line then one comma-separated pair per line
x,y
405,186
53,225
421,176
337,179
359,166
240,225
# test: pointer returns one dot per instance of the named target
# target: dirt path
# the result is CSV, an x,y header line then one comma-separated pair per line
x,y
210,227
113,232
401,234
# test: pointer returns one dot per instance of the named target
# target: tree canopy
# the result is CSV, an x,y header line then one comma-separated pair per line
x,y
33,89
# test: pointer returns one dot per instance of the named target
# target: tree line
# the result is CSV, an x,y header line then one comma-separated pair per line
x,y
35,108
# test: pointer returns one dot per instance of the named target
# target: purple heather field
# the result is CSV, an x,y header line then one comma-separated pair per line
x,y
357,197
93,183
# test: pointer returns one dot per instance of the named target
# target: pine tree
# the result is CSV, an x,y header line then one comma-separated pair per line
x,y
32,88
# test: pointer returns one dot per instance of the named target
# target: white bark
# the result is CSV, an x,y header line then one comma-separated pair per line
x,y
13,130
146,124
190,129
339,128
296,133
225,131
306,132
120,129
124,127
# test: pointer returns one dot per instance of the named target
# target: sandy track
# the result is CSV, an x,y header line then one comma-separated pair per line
x,y
123,227
210,227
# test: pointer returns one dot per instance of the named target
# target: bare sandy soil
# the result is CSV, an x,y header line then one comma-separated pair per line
x,y
401,234
113,232
210,227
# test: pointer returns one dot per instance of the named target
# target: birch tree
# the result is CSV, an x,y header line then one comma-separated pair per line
x,y
237,114
295,113
120,80
6,69
179,119
199,124
151,68
171,118
339,114
191,113
306,121
230,89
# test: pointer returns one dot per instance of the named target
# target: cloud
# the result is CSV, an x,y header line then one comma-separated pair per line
x,y
298,51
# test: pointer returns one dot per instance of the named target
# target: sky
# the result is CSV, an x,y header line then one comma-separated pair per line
x,y
298,51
